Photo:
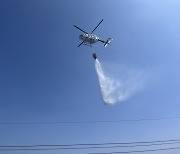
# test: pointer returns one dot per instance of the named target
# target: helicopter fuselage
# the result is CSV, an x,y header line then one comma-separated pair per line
x,y
89,38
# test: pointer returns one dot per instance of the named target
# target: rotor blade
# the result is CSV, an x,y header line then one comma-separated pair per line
x,y
80,29
80,43
97,26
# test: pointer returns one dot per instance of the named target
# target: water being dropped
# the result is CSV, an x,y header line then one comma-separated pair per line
x,y
119,89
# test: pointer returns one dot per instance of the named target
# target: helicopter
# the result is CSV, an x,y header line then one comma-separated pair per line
x,y
89,38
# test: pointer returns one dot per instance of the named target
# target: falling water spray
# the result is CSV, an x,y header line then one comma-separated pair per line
x,y
117,90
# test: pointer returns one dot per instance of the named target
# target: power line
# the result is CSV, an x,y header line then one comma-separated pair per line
x,y
87,122
149,150
107,143
79,148
91,146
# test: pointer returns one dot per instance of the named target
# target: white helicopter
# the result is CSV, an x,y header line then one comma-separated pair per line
x,y
89,38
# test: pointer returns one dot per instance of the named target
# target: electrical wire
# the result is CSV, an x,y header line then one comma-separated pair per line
x,y
87,122
81,148
140,151
95,146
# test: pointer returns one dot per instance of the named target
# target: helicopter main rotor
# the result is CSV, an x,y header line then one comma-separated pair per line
x,y
92,30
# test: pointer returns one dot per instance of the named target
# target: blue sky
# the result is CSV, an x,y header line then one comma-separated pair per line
x,y
44,77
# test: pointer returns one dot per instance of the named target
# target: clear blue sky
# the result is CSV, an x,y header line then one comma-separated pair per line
x,y
44,77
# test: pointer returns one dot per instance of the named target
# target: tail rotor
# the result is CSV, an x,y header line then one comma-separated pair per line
x,y
109,40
